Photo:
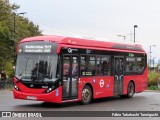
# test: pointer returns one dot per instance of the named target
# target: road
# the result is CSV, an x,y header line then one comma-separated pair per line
x,y
146,101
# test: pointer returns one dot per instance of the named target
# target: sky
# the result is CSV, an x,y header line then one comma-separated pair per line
x,y
98,19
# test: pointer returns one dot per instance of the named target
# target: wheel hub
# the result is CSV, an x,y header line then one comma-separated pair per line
x,y
85,94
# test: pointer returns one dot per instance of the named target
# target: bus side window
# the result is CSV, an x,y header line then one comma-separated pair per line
x,y
135,64
103,65
130,64
99,67
140,64
83,65
88,65
106,65
92,65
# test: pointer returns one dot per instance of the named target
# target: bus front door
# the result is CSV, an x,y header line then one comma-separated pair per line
x,y
70,77
118,75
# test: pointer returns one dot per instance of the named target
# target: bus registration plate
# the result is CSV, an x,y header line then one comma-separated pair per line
x,y
31,98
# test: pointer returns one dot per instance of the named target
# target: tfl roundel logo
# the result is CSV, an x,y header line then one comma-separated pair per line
x,y
101,83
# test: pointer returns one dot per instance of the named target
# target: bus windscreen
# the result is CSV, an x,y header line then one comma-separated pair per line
x,y
37,61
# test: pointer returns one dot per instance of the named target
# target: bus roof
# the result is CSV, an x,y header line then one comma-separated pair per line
x,y
85,42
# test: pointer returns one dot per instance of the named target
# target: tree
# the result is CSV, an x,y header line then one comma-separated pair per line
x,y
9,39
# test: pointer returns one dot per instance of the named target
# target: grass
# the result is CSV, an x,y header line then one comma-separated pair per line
x,y
153,88
154,78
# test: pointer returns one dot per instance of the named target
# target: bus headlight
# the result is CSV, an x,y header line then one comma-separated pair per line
x,y
16,87
49,89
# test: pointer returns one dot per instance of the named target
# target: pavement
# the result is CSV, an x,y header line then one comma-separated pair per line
x,y
145,101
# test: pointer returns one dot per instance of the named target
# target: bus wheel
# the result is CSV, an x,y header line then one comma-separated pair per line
x,y
130,90
86,95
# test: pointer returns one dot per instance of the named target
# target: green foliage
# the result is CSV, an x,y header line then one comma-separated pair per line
x,y
8,39
153,78
153,88
9,69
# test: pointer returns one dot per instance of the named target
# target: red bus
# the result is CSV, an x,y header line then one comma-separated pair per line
x,y
64,69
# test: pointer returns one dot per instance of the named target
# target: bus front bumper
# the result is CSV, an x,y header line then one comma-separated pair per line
x,y
55,96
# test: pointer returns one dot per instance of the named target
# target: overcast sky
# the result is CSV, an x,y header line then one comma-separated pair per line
x,y
104,19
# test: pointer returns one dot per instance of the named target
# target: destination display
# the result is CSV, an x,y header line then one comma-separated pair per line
x,y
131,59
38,47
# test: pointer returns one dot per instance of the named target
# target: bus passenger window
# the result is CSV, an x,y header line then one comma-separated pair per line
x,y
140,64
130,64
87,65
135,64
83,65
99,66
91,65
105,65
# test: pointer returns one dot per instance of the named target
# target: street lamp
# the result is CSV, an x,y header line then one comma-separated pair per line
x,y
14,31
153,62
14,19
124,37
135,26
150,51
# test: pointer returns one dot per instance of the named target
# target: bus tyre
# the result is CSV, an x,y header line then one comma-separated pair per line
x,y
86,95
130,90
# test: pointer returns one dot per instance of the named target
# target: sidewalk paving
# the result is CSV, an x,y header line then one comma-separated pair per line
x,y
152,91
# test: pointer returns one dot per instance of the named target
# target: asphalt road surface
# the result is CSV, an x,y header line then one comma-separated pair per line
x,y
146,101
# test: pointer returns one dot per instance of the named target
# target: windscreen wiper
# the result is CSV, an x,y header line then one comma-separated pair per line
x,y
37,78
